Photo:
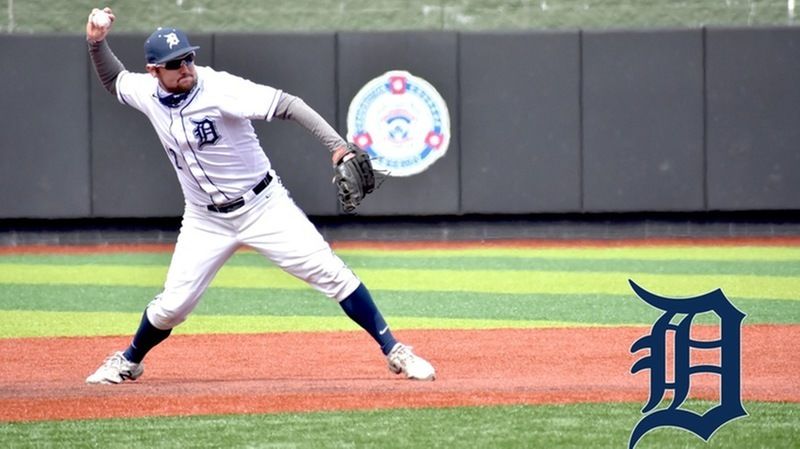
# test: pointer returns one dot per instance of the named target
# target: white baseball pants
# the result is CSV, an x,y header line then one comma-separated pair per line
x,y
273,225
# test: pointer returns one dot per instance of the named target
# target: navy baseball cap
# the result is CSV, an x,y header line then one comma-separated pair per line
x,y
166,44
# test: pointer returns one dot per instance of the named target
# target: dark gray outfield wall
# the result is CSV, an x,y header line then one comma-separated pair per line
x,y
44,128
643,121
753,119
520,123
542,122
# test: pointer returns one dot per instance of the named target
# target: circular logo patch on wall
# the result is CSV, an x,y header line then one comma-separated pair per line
x,y
401,121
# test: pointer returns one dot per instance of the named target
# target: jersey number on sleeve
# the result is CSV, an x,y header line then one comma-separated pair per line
x,y
175,158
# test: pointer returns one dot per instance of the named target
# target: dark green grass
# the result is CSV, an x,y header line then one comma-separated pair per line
x,y
744,267
590,308
769,425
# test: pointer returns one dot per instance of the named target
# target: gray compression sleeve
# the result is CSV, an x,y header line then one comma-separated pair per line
x,y
106,64
294,108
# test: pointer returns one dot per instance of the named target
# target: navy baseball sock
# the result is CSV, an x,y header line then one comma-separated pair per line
x,y
146,338
361,309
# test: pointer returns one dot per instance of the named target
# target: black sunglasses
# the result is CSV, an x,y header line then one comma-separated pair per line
x,y
175,64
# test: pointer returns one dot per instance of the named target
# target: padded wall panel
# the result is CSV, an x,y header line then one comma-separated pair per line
x,y
303,65
753,118
431,56
44,124
520,122
643,121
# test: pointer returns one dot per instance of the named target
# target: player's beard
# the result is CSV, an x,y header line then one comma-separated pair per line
x,y
185,84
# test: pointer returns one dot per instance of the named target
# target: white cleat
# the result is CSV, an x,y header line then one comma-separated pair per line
x,y
116,369
402,360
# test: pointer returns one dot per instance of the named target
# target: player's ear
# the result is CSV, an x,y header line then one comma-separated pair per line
x,y
153,70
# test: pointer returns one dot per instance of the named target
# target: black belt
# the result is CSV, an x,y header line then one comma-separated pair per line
x,y
232,205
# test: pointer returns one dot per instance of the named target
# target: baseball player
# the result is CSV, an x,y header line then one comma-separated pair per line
x,y
232,195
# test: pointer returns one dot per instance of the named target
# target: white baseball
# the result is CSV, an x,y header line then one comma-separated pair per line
x,y
101,20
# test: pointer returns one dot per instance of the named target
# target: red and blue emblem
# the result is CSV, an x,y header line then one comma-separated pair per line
x,y
401,121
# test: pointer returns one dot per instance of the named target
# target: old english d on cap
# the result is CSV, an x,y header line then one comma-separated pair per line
x,y
166,44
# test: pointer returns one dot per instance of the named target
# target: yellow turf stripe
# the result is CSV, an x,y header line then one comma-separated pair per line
x,y
25,323
485,281
738,253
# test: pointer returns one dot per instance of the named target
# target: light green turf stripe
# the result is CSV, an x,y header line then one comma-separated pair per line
x,y
388,261
489,281
26,323
754,253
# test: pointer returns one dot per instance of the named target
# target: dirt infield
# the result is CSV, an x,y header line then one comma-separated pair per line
x,y
530,243
42,379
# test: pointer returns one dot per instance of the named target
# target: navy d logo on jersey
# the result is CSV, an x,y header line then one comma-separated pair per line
x,y
205,131
401,121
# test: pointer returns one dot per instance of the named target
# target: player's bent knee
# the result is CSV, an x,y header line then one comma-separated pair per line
x,y
163,318
344,288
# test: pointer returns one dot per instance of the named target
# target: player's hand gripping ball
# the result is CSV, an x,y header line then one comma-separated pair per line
x,y
101,19
354,177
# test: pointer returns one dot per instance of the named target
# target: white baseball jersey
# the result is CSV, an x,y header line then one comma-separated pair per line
x,y
209,138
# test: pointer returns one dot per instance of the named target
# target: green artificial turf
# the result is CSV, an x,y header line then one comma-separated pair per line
x,y
487,280
602,425
104,294
47,310
18,324
451,288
